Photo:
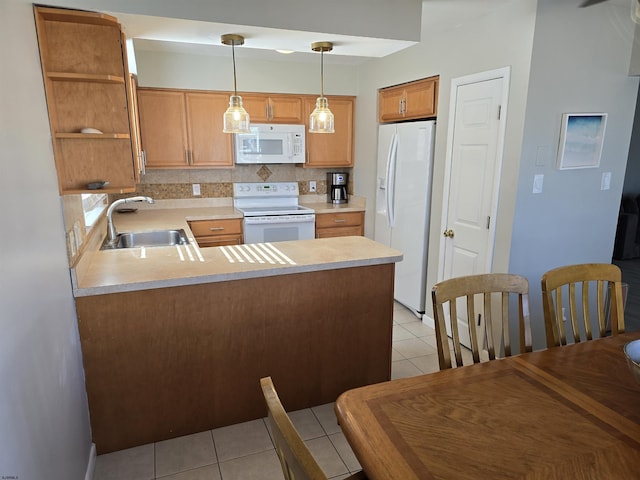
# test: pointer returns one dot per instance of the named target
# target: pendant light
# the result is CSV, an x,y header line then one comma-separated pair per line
x,y
236,118
321,119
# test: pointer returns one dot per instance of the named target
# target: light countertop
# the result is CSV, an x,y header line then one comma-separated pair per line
x,y
111,271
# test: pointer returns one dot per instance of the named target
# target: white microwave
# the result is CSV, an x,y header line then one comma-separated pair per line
x,y
270,143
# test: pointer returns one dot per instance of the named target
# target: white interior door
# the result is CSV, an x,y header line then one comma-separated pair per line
x,y
476,137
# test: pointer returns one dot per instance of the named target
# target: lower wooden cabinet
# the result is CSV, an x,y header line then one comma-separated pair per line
x,y
216,233
339,224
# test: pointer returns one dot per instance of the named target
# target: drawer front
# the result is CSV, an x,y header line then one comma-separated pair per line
x,y
219,240
339,232
207,228
347,219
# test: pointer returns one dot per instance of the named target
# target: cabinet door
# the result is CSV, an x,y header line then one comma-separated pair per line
x,y
410,101
163,128
420,99
264,108
132,91
285,109
257,106
208,145
331,149
390,104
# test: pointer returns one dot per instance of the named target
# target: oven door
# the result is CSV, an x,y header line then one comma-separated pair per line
x,y
279,228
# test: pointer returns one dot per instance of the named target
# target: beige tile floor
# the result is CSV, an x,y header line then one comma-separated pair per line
x,y
245,451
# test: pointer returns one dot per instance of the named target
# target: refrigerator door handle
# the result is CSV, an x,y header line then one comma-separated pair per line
x,y
391,179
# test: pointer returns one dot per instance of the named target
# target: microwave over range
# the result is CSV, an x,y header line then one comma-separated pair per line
x,y
270,143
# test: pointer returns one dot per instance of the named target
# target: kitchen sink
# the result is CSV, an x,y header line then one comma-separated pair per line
x,y
158,238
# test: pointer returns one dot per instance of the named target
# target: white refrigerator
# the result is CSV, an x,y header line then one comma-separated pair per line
x,y
403,201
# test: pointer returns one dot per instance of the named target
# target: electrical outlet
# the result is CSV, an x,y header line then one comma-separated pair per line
x,y
196,189
312,186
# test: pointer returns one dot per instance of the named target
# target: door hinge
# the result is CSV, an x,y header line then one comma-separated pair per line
x,y
499,111
488,221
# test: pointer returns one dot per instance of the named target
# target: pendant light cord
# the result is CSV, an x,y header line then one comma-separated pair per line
x,y
233,54
322,73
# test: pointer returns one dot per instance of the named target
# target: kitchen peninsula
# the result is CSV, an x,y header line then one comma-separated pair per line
x,y
175,339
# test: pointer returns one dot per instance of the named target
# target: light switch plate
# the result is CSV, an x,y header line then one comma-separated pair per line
x,y
605,184
537,183
196,189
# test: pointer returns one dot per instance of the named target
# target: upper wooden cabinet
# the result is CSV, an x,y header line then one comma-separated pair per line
x,y
325,150
409,101
182,129
85,77
265,108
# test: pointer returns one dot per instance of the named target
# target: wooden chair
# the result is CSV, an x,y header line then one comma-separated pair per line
x,y
485,289
295,458
597,280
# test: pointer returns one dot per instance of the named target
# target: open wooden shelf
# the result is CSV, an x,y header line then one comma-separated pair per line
x,y
86,136
77,16
83,77
83,60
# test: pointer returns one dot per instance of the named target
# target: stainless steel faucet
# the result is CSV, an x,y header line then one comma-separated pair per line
x,y
111,229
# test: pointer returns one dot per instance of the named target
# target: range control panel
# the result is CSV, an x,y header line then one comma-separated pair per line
x,y
265,190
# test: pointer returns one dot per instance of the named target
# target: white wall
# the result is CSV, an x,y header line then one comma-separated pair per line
x,y
573,70
44,421
209,72
501,38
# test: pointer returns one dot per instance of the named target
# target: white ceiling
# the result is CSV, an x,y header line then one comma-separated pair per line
x,y
177,35
199,37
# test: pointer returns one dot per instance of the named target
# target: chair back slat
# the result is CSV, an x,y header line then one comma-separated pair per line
x,y
295,458
494,290
505,325
599,285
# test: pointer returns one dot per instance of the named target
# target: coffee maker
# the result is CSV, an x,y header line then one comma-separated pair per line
x,y
337,187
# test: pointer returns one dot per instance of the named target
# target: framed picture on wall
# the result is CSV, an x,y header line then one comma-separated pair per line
x,y
581,139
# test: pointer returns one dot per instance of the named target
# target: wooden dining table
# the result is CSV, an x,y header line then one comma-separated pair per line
x,y
570,412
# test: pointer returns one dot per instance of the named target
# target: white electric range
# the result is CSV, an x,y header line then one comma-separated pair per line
x,y
272,213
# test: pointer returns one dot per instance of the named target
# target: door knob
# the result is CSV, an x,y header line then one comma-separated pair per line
x,y
448,233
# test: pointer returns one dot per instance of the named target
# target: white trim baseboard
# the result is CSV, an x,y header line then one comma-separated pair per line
x,y
91,465
428,321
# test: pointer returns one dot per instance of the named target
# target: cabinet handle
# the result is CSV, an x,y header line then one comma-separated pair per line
x,y
400,105
143,162
339,220
216,229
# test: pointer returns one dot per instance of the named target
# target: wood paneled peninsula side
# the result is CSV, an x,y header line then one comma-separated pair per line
x,y
175,343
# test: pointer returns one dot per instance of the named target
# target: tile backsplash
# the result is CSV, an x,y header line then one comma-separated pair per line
x,y
178,184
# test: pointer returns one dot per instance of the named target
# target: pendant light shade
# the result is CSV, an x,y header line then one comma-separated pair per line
x,y
236,118
321,119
